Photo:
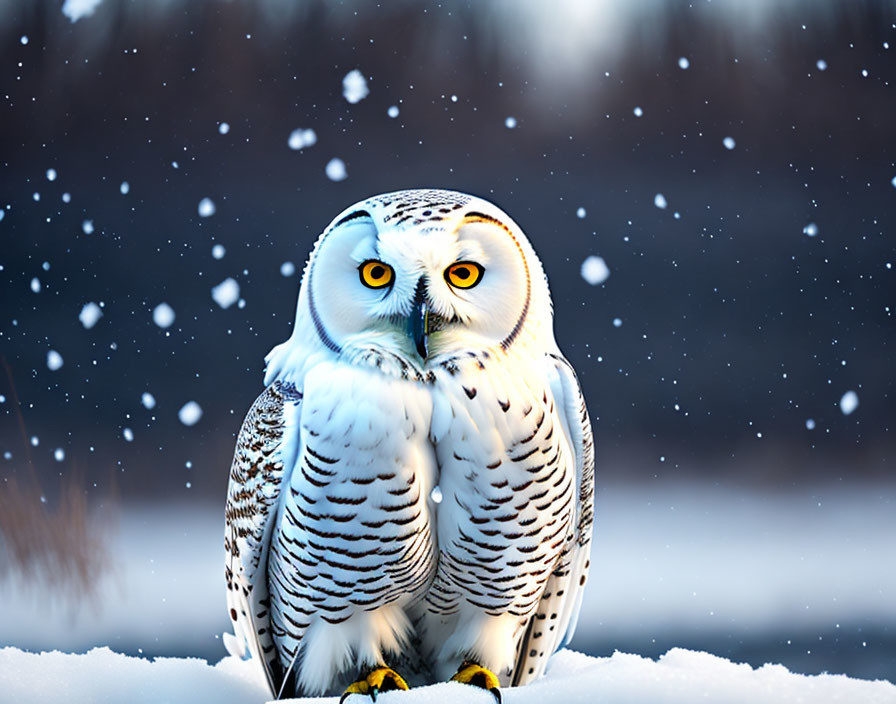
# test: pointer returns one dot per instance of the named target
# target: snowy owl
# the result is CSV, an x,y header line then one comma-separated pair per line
x,y
411,498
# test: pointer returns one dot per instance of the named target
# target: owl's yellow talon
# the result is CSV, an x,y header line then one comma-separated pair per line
x,y
478,676
382,679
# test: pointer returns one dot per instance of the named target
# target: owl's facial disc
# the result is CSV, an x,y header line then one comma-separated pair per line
x,y
431,290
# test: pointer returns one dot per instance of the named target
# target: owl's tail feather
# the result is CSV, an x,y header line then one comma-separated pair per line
x,y
546,629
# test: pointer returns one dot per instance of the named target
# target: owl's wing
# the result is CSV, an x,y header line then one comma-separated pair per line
x,y
554,623
262,461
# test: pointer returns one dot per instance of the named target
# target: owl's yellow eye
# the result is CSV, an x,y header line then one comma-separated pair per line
x,y
375,274
464,274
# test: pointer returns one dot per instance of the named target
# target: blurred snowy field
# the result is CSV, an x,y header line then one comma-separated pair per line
x,y
806,578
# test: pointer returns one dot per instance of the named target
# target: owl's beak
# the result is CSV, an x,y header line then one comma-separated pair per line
x,y
419,320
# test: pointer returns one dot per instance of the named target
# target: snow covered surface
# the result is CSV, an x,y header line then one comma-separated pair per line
x,y
678,677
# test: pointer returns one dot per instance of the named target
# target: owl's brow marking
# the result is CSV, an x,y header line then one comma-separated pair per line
x,y
352,216
315,316
482,217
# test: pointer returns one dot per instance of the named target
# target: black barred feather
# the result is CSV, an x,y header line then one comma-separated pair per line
x,y
253,494
553,624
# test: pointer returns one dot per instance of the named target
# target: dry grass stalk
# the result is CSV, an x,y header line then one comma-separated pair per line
x,y
61,548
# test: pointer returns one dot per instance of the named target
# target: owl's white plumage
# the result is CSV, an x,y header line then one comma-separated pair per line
x,y
338,559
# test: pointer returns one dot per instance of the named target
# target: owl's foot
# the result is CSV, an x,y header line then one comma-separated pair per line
x,y
381,679
478,676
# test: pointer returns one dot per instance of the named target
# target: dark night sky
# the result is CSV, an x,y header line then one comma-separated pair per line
x,y
736,326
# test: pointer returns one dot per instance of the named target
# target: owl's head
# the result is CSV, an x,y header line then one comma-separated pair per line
x,y
423,273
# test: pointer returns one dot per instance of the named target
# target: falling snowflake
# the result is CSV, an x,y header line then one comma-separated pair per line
x,y
163,315
849,402
76,9
354,87
595,270
206,208
54,360
301,138
336,170
89,315
190,413
226,293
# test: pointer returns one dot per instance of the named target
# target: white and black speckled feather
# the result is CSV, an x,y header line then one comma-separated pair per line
x,y
253,496
329,506
354,535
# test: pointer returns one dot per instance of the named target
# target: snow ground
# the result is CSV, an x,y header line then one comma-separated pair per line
x,y
678,677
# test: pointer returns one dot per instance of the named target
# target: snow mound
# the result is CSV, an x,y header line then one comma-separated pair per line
x,y
678,677
102,676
